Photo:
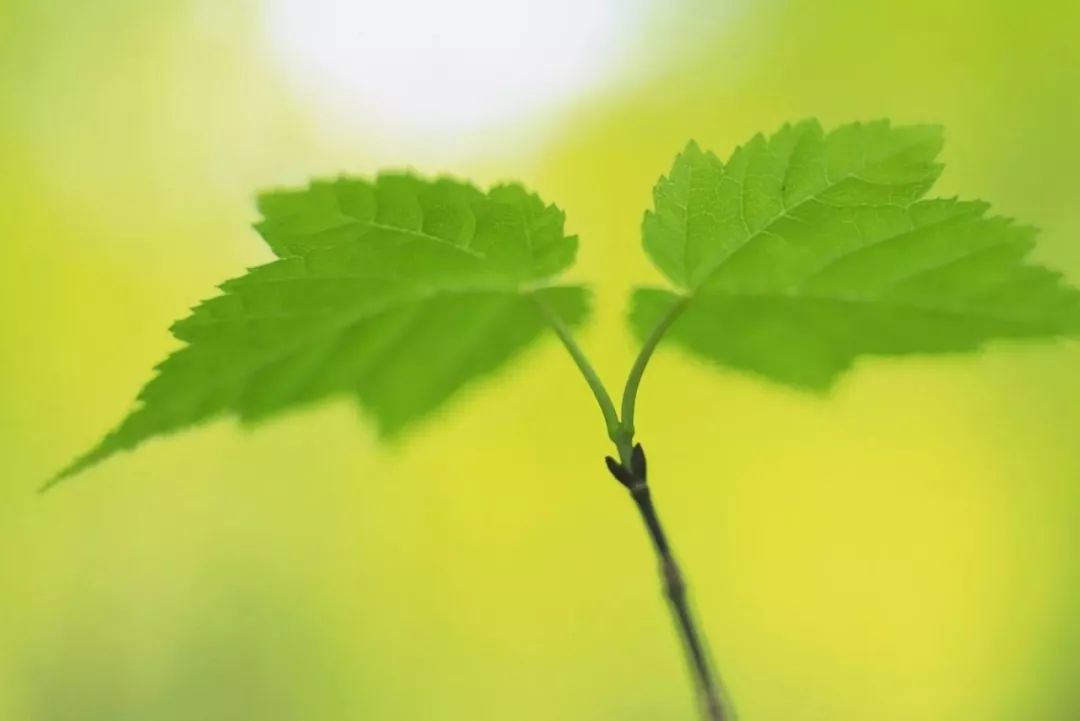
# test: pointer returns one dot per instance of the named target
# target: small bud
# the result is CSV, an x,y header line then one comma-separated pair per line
x,y
637,463
622,475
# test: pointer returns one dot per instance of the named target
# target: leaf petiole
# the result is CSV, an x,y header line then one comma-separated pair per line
x,y
620,430
603,398
633,381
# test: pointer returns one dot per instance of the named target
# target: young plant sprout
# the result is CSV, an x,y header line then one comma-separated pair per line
x,y
801,253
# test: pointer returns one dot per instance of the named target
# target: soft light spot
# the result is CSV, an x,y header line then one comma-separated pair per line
x,y
441,68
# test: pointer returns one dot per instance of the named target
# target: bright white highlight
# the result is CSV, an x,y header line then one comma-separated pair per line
x,y
447,66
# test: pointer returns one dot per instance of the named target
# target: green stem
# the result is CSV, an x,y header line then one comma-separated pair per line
x,y
632,474
607,407
633,381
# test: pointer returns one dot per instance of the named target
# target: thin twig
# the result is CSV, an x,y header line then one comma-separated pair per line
x,y
633,475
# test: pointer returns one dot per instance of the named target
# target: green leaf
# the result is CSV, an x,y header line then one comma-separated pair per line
x,y
807,250
399,292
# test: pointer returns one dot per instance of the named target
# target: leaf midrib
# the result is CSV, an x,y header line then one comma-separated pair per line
x,y
373,225
374,308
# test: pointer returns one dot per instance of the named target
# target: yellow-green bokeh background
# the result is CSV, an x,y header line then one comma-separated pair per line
x,y
906,549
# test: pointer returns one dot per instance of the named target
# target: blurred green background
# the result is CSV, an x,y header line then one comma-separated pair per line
x,y
907,549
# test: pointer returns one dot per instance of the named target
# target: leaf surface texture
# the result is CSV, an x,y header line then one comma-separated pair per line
x,y
807,250
399,292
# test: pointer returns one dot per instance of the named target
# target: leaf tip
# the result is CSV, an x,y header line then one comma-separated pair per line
x,y
49,484
60,477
